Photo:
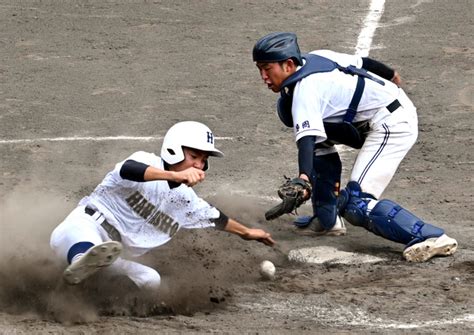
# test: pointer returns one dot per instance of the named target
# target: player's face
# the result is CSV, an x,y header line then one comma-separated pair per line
x,y
192,158
273,74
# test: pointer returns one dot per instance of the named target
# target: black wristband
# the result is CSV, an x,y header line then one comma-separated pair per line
x,y
378,68
221,221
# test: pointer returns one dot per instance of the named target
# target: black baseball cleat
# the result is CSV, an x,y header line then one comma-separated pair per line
x,y
93,260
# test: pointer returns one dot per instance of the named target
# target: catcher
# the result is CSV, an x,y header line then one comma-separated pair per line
x,y
330,98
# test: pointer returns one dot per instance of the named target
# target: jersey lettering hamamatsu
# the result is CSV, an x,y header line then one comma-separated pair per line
x,y
148,214
326,96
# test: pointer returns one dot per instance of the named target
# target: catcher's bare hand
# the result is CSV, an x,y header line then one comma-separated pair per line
x,y
306,191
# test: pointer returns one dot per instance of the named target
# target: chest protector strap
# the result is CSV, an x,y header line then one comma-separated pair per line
x,y
349,135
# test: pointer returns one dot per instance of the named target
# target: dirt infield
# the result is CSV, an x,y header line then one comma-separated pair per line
x,y
98,70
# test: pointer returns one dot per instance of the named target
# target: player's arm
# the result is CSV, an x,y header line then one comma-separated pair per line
x,y
141,172
381,70
305,157
232,226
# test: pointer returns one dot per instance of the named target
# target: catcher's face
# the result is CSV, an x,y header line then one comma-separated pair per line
x,y
192,158
273,74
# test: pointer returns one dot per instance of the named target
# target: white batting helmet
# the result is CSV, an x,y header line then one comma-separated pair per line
x,y
189,134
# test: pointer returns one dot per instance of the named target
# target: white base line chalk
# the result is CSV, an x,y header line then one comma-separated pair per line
x,y
364,41
92,139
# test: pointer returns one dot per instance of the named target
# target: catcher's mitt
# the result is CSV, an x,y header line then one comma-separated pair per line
x,y
292,193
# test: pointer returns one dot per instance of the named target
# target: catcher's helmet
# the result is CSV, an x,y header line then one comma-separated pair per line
x,y
189,134
277,47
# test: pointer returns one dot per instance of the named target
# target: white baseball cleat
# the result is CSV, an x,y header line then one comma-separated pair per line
x,y
315,229
93,260
436,246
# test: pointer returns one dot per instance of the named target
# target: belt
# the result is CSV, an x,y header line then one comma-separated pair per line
x,y
393,106
111,230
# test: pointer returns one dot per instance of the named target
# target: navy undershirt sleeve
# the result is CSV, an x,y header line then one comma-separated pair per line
x,y
305,154
378,68
133,170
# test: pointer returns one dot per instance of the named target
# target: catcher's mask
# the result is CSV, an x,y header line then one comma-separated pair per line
x,y
276,47
189,134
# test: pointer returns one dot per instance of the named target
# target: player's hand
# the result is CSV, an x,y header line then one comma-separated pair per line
x,y
397,80
259,235
306,193
190,176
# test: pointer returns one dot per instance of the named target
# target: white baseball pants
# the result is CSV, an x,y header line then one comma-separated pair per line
x,y
81,227
391,137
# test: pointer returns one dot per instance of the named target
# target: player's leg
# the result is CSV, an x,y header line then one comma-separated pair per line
x,y
393,222
325,179
80,242
88,262
143,276
391,137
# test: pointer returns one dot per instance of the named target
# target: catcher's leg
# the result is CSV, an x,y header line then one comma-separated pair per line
x,y
389,140
391,221
325,179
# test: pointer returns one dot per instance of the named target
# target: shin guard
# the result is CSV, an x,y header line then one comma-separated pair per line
x,y
384,218
326,181
390,220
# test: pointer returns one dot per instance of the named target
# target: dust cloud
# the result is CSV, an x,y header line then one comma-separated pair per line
x,y
198,267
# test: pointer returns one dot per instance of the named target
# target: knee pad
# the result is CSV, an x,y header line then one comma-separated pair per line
x,y
353,204
356,212
326,181
390,220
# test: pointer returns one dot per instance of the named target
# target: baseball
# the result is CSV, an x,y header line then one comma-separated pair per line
x,y
267,270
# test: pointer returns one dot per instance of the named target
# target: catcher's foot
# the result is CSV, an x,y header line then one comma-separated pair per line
x,y
94,259
302,221
437,246
314,228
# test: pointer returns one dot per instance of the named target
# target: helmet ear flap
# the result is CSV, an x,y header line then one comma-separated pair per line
x,y
173,156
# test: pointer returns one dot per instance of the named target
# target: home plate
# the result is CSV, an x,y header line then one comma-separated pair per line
x,y
319,255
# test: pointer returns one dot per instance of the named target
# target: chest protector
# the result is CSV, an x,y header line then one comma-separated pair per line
x,y
347,132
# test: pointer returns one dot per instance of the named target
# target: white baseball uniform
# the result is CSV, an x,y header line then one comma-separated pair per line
x,y
142,215
326,96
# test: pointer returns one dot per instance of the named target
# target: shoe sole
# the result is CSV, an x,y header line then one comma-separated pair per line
x,y
94,259
428,249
